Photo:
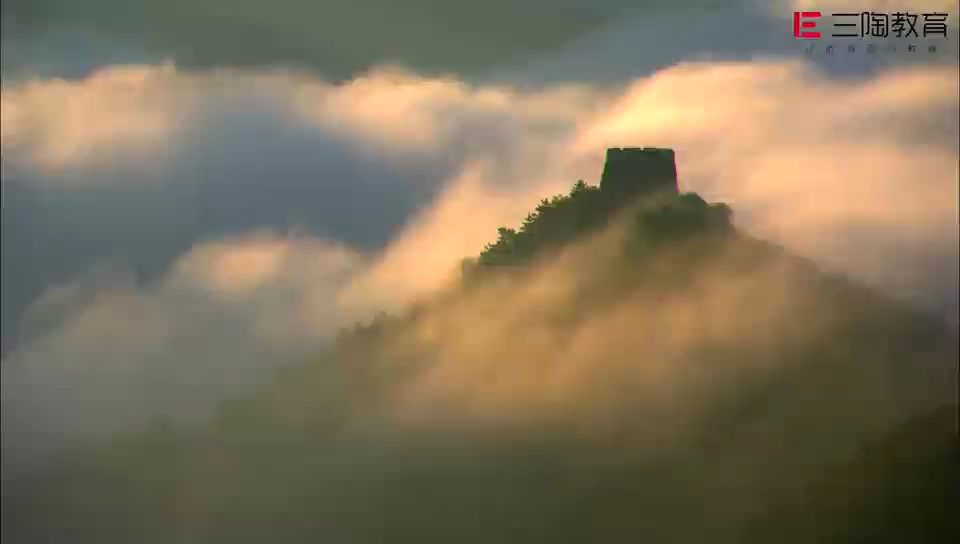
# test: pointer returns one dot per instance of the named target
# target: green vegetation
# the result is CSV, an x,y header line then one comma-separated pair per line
x,y
559,220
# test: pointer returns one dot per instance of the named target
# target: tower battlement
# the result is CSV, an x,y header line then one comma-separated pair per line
x,y
634,171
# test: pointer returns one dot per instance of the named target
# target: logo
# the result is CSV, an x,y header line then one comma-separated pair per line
x,y
873,24
799,23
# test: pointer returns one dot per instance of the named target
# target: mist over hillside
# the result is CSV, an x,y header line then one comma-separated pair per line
x,y
621,367
358,271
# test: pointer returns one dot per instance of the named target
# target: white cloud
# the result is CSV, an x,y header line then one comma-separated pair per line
x,y
60,122
117,352
859,174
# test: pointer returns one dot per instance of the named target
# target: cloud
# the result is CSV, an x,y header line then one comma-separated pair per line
x,y
570,389
227,151
392,179
178,158
811,163
122,351
60,122
338,39
580,39
568,341
638,43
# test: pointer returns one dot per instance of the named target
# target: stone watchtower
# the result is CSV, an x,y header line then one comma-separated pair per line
x,y
633,171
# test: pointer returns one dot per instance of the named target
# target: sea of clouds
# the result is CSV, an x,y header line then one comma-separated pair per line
x,y
171,234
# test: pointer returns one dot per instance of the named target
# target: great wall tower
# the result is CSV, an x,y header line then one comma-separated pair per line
x,y
630,172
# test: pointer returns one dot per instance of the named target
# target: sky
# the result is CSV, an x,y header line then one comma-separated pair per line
x,y
191,197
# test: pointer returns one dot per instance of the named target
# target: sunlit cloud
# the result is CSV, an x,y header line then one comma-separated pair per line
x,y
858,174
61,122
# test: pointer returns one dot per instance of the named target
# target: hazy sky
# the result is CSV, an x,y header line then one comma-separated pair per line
x,y
184,189
338,38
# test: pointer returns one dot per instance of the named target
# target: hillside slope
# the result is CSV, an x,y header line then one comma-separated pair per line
x,y
617,369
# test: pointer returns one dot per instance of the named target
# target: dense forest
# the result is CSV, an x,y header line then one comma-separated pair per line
x,y
610,370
